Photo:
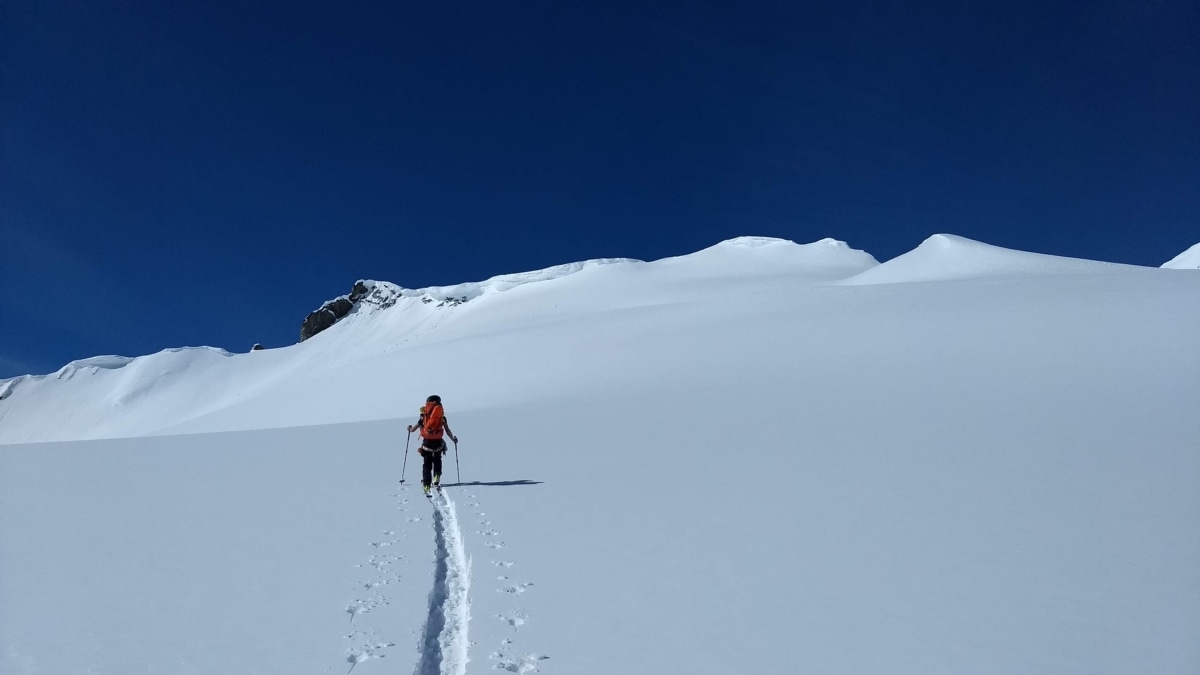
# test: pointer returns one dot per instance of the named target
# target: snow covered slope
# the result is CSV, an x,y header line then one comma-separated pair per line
x,y
744,460
944,256
1188,260
106,397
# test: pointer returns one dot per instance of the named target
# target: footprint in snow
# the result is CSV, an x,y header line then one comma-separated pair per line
x,y
357,656
503,563
495,545
364,606
521,664
371,585
519,588
488,533
379,562
516,619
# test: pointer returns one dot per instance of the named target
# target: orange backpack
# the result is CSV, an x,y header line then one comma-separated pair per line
x,y
434,421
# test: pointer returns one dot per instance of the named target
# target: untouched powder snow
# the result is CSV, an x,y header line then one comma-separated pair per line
x,y
1188,260
725,462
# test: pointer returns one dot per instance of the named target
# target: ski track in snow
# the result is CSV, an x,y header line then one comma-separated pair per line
x,y
444,640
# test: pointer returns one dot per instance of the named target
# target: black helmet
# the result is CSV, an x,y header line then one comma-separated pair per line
x,y
434,399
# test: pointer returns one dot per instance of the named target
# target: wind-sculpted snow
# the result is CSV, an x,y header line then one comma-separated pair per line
x,y
945,257
465,292
112,395
167,360
105,362
824,260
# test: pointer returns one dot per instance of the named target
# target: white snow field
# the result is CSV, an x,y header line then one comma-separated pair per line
x,y
760,458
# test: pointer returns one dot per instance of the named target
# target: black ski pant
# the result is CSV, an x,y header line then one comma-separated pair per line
x,y
431,465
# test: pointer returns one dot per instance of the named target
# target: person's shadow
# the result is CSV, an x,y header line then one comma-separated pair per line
x,y
498,483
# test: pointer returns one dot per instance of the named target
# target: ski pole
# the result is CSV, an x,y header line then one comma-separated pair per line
x,y
456,467
405,465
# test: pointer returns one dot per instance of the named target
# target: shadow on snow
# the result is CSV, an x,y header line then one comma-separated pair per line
x,y
499,483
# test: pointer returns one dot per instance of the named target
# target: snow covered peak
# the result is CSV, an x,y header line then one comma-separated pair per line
x,y
760,244
824,260
371,296
1188,260
947,256
820,261
752,242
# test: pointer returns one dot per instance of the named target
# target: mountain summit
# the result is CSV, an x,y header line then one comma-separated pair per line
x,y
825,260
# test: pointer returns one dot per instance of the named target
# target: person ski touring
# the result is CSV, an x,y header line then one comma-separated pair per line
x,y
433,426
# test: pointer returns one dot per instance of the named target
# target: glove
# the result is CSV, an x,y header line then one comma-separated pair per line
x,y
454,438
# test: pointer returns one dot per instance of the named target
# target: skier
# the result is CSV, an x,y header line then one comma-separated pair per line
x,y
433,425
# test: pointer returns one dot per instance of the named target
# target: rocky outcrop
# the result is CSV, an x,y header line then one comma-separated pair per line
x,y
325,317
368,292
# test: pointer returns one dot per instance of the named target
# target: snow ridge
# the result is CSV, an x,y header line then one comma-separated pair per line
x,y
386,294
947,257
444,640
1188,260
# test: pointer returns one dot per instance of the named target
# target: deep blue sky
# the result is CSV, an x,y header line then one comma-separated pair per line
x,y
183,173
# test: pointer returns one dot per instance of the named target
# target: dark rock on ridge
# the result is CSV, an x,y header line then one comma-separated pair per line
x,y
334,310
